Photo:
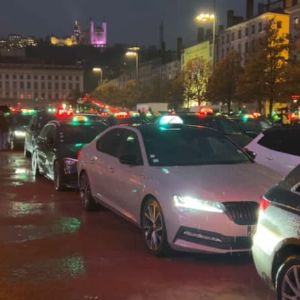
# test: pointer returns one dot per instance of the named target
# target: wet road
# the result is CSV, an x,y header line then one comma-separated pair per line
x,y
51,249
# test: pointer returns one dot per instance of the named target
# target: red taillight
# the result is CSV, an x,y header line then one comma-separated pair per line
x,y
78,155
264,204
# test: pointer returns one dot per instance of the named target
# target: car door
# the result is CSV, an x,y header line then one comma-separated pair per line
x,y
102,165
40,148
50,150
128,177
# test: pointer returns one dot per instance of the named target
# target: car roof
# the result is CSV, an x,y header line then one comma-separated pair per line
x,y
283,129
147,127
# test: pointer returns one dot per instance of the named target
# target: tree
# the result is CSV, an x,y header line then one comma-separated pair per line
x,y
222,84
265,69
196,74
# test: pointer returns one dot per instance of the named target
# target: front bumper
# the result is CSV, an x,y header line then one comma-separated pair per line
x,y
212,240
198,231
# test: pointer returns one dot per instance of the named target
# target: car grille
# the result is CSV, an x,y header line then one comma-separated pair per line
x,y
242,213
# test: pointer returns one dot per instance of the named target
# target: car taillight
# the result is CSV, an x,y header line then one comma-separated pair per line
x,y
264,204
78,155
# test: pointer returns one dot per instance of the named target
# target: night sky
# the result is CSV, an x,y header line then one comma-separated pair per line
x,y
129,21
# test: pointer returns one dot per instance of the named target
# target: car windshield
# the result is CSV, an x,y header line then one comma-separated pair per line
x,y
255,125
70,134
189,146
20,120
229,126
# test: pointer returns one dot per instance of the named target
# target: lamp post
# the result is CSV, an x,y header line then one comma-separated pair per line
x,y
100,71
205,18
133,52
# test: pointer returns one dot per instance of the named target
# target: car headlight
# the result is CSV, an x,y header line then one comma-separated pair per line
x,y
19,133
198,204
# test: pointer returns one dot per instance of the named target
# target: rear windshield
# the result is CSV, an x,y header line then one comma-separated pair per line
x,y
70,134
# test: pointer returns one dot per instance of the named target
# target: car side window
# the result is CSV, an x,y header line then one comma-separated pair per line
x,y
51,134
130,146
273,140
292,143
110,142
44,131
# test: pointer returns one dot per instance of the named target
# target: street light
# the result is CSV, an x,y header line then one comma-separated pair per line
x,y
133,52
100,71
205,18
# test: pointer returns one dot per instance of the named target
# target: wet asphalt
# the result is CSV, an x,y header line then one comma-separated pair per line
x,y
51,249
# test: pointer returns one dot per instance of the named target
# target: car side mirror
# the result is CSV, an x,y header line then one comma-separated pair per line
x,y
129,159
250,153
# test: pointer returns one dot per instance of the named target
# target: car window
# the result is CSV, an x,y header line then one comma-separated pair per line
x,y
285,141
51,133
291,143
130,145
190,147
44,131
273,140
110,142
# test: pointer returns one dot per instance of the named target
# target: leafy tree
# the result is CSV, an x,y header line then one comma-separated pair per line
x,y
222,85
265,70
196,74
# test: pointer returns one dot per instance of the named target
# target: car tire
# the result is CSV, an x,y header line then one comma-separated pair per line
x,y
288,278
87,200
154,228
35,165
58,177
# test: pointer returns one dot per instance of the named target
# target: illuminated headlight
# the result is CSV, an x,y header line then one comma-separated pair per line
x,y
19,133
198,204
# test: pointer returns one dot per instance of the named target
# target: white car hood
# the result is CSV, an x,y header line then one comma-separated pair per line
x,y
223,183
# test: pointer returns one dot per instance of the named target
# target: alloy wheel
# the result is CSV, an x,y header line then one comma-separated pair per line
x,y
291,284
153,225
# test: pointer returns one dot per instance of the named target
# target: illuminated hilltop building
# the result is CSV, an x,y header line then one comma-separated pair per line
x,y
95,36
77,32
98,34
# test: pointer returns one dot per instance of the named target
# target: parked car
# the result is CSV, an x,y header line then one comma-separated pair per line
x,y
189,188
276,246
253,126
18,123
57,147
220,123
278,148
37,122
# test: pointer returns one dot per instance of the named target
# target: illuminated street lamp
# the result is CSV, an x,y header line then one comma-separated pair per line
x,y
133,52
98,70
205,18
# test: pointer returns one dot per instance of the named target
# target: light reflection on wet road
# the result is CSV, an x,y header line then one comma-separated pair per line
x,y
51,249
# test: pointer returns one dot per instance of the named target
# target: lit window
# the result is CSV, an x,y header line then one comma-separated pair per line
x,y
296,20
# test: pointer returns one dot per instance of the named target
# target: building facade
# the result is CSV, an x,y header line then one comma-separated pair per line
x,y
244,37
39,82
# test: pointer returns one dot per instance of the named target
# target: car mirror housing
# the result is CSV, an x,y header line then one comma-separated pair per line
x,y
250,153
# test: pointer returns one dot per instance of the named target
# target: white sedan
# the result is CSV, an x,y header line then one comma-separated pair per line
x,y
189,188
277,148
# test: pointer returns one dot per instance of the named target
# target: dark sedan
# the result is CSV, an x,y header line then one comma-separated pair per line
x,y
222,124
57,147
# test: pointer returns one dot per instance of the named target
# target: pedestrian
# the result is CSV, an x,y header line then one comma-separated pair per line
x,y
3,131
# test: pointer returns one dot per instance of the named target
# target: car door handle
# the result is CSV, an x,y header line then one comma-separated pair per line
x,y
111,169
269,158
93,159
